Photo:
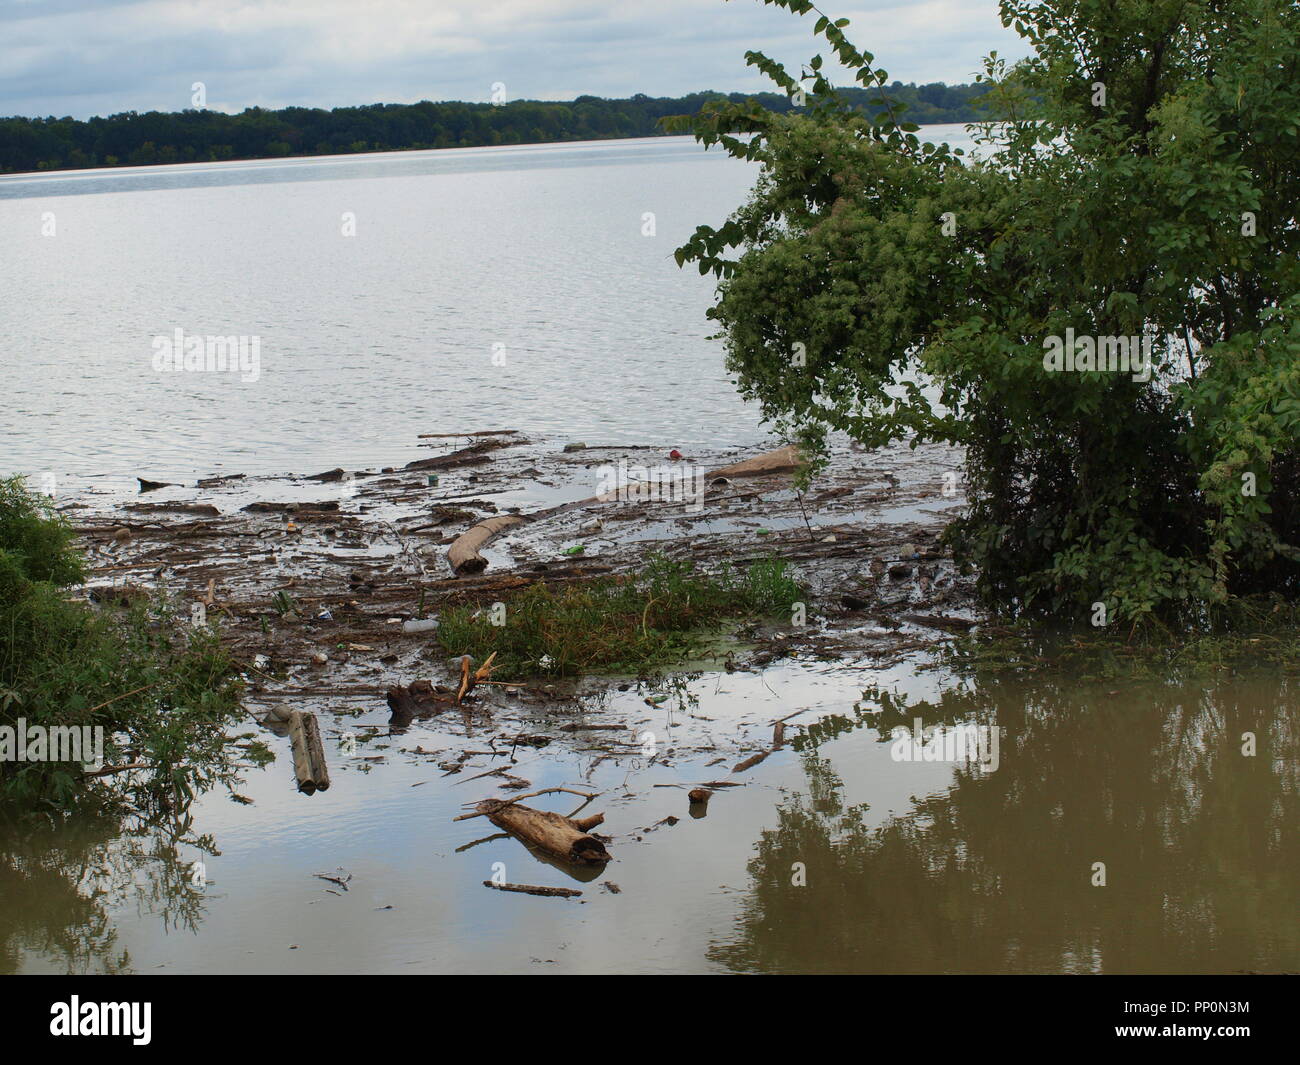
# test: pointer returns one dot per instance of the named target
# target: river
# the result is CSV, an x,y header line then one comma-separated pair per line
x,y
1120,828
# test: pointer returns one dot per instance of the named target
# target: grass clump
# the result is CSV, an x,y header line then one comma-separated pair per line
x,y
630,623
162,692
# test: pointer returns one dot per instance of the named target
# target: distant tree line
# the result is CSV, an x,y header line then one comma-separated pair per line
x,y
135,139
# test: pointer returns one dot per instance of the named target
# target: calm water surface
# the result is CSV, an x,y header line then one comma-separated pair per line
x,y
534,254
908,866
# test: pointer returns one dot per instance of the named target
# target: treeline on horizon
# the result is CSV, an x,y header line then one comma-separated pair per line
x,y
141,139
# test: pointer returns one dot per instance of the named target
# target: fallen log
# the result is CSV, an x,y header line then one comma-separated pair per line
x,y
533,889
308,753
782,460
213,482
464,552
207,510
554,834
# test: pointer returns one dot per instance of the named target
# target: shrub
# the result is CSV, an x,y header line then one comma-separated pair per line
x,y
1146,187
163,695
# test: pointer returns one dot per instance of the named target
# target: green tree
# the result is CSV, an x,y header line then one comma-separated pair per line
x,y
1145,185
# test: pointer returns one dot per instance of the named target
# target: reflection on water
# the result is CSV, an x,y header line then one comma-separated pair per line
x,y
906,866
1198,840
63,889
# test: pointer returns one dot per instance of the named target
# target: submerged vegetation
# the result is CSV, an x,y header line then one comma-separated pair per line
x,y
161,693
628,624
134,139
1140,202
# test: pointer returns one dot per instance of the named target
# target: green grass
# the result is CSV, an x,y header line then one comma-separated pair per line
x,y
627,624
163,692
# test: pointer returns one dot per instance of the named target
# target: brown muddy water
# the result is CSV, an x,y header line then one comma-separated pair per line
x,y
835,854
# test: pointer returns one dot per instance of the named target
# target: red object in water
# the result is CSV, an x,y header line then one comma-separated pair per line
x,y
674,454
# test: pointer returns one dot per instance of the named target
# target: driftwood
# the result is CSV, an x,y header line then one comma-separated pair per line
x,y
308,753
778,741
464,552
533,889
469,681
205,510
418,699
422,698
553,834
782,460
151,486
474,455
336,474
479,432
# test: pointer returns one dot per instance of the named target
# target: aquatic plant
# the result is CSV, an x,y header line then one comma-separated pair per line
x,y
634,623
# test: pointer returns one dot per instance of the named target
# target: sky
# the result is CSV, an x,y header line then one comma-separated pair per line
x,y
98,57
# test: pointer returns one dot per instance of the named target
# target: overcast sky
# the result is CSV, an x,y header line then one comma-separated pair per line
x,y
90,57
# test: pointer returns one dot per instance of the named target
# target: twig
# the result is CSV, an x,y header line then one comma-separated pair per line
x,y
812,537
533,889
123,696
109,769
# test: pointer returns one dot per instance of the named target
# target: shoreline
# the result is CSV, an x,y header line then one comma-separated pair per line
x,y
361,554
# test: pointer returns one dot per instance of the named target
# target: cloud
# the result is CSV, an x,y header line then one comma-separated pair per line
x,y
82,58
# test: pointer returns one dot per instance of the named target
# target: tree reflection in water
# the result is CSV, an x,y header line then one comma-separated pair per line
x,y
1199,842
60,885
